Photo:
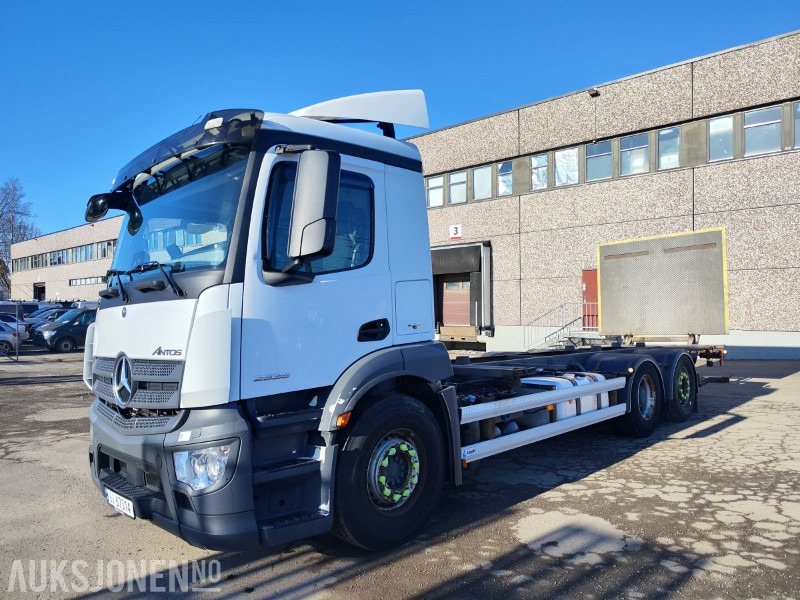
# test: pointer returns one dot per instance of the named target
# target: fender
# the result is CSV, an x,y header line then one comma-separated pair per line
x,y
667,360
428,361
618,363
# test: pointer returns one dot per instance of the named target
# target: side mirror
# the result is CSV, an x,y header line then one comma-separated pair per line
x,y
99,204
97,207
312,232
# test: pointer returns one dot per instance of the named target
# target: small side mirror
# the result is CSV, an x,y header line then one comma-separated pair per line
x,y
312,232
97,207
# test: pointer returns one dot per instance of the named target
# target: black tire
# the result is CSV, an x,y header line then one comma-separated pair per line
x,y
65,344
684,391
646,396
5,348
375,514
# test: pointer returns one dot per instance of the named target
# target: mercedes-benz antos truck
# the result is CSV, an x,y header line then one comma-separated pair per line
x,y
264,359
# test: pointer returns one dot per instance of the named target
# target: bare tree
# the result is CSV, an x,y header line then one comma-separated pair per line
x,y
16,225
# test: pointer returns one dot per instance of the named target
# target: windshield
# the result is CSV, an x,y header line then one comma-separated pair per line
x,y
188,209
68,316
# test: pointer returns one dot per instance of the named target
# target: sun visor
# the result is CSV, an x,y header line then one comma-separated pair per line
x,y
234,126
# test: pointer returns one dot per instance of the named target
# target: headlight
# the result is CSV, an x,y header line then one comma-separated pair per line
x,y
48,334
201,468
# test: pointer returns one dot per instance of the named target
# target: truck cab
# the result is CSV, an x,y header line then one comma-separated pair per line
x,y
271,271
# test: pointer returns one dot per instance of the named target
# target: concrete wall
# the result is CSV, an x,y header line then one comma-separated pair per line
x,y
56,278
542,240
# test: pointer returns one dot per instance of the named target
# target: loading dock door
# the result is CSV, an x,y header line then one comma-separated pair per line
x,y
455,300
462,290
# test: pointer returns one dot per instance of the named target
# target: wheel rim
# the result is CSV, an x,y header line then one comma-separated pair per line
x,y
393,470
65,345
684,387
5,348
646,395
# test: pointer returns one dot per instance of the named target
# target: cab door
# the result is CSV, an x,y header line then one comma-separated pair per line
x,y
302,335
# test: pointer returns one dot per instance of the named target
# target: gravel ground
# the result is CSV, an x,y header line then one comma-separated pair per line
x,y
704,509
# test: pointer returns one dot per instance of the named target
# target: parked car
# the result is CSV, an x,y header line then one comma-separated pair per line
x,y
86,304
67,332
9,340
19,309
47,316
20,325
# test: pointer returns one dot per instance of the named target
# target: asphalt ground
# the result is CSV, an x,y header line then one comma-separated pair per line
x,y
709,508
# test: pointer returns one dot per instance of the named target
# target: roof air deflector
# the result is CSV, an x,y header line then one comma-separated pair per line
x,y
398,107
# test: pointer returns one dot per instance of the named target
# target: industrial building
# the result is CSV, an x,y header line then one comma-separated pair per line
x,y
519,201
65,265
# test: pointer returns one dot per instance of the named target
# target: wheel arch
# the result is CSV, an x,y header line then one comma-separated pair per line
x,y
667,361
619,364
416,370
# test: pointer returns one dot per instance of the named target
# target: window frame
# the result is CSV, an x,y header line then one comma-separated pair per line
x,y
500,174
450,185
646,136
490,169
577,181
268,214
745,127
428,189
610,154
658,148
546,166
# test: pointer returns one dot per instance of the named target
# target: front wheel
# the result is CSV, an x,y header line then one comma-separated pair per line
x,y
5,347
389,473
65,344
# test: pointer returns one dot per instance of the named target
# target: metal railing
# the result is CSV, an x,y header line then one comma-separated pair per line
x,y
570,320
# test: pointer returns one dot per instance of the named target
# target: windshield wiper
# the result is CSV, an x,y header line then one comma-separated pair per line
x,y
109,293
152,266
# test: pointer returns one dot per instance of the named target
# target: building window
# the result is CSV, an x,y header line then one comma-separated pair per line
x,y
87,280
566,166
458,188
720,139
504,179
482,183
797,124
435,191
634,154
539,172
669,148
598,161
762,131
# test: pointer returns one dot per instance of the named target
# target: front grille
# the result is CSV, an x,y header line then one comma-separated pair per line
x,y
155,382
137,420
104,365
154,368
148,397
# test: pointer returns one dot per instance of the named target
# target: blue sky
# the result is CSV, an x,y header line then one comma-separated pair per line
x,y
88,85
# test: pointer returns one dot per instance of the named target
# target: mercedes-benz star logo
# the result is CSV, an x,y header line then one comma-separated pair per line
x,y
121,381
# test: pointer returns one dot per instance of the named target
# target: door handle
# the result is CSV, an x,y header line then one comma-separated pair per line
x,y
374,331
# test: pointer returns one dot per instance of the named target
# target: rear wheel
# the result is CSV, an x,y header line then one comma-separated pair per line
x,y
684,391
646,396
5,348
389,473
65,344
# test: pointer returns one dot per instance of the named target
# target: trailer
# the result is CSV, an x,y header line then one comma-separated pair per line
x,y
264,361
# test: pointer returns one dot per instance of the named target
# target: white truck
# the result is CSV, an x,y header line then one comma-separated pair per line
x,y
264,361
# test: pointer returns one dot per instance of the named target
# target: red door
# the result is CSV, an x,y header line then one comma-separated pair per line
x,y
590,306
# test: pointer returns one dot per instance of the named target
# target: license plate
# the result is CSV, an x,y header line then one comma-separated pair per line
x,y
119,503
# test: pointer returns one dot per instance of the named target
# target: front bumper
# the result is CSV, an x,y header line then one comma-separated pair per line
x,y
141,468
